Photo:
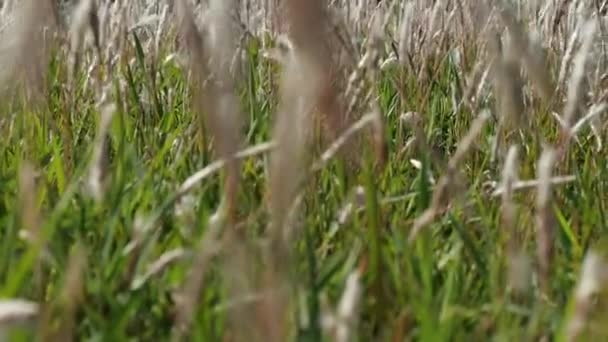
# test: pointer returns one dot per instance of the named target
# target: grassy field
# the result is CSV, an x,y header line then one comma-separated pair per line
x,y
406,171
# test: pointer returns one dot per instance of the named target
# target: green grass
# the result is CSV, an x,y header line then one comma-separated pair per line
x,y
450,284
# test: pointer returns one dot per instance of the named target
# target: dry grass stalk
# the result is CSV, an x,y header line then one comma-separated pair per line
x,y
343,139
508,87
187,297
594,112
544,217
30,211
378,129
192,41
210,63
25,47
303,86
415,121
532,55
405,33
567,59
159,266
306,87
518,261
592,282
142,229
217,165
443,193
223,114
342,324
519,273
533,183
17,311
576,87
31,221
509,211
366,72
98,174
85,22
66,305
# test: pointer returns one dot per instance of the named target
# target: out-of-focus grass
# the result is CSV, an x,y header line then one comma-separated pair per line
x,y
449,284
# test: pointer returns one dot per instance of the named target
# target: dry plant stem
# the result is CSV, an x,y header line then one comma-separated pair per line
x,y
508,209
516,258
532,56
306,87
217,165
576,86
210,56
533,183
508,87
222,105
342,324
592,281
422,145
15,311
70,298
342,140
25,47
187,298
30,211
330,153
239,274
193,42
302,84
84,20
160,265
442,193
99,173
146,227
214,79
544,218
31,219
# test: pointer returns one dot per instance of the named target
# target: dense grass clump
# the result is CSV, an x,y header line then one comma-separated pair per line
x,y
303,170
